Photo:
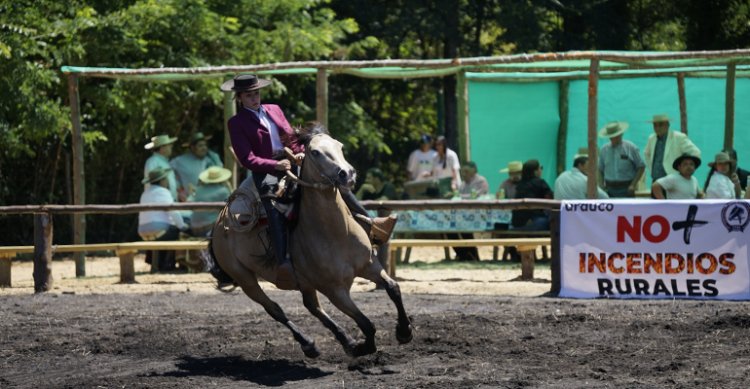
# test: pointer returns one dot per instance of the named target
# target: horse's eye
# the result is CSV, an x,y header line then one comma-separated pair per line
x,y
315,153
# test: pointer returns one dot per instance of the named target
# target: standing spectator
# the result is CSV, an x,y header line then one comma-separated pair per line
x,y
507,189
159,225
446,163
473,185
573,184
161,147
620,163
681,185
192,163
421,160
723,182
531,186
376,187
664,146
213,186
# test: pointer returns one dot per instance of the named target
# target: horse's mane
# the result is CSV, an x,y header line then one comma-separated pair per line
x,y
305,133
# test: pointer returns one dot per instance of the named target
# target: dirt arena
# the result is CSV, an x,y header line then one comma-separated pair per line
x,y
474,329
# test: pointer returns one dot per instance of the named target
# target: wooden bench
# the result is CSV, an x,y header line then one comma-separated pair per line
x,y
526,246
125,251
512,234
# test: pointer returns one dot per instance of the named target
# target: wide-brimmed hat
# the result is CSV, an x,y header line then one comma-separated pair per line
x,y
156,174
721,157
195,138
582,152
659,118
613,129
159,141
683,157
214,175
244,83
513,167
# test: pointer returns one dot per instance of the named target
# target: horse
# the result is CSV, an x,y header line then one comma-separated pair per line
x,y
328,247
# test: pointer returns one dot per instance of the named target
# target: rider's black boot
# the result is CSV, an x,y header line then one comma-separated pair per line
x,y
284,272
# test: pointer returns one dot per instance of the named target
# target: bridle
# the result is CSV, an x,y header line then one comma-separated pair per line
x,y
332,183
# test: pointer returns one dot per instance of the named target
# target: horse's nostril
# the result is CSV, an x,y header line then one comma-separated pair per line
x,y
343,175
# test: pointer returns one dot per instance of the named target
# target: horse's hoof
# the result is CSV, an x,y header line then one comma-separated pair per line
x,y
310,350
363,349
404,334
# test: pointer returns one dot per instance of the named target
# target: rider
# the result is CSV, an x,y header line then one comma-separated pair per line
x,y
259,134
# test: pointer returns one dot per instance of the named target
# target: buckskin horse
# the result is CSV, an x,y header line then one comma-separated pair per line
x,y
329,248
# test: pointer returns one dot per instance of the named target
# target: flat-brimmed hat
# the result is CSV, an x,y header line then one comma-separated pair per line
x,y
582,152
721,157
156,174
214,175
244,83
513,167
683,157
195,138
159,141
659,118
613,129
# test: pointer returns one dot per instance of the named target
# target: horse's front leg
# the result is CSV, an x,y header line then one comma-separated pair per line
x,y
342,300
378,275
252,289
310,299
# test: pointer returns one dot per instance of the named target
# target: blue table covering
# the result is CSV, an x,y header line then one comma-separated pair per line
x,y
451,220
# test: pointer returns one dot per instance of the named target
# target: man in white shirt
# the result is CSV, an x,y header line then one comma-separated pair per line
x,y
681,185
573,184
159,225
421,159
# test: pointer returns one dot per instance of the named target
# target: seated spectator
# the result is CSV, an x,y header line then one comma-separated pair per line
x,y
213,186
376,187
192,163
421,160
573,184
473,185
507,189
680,185
741,173
534,187
159,225
722,181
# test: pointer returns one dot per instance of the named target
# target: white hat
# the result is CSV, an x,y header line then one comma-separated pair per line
x,y
613,129
214,174
159,141
513,167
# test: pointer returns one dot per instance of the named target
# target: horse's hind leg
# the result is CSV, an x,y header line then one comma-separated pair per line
x,y
254,291
310,299
342,300
377,274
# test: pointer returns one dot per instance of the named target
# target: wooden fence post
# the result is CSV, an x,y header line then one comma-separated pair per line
x,y
127,268
5,266
593,116
42,252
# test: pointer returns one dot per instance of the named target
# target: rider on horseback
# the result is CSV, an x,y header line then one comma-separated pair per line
x,y
259,134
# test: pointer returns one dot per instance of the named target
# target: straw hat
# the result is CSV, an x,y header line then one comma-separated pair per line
x,y
244,83
613,129
513,167
659,118
683,157
214,175
156,174
582,152
195,138
159,141
721,157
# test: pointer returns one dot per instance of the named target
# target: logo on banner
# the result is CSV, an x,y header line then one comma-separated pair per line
x,y
656,227
735,216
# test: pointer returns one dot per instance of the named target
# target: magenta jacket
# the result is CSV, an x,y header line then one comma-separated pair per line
x,y
252,141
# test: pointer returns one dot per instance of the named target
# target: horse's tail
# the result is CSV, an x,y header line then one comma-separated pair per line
x,y
225,281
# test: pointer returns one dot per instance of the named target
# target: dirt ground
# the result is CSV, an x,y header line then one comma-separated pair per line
x,y
474,329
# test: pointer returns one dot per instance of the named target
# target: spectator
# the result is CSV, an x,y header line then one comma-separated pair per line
x,y
376,187
741,173
620,163
722,181
192,163
473,185
421,160
213,186
531,186
664,146
573,184
681,185
159,225
507,189
446,163
161,147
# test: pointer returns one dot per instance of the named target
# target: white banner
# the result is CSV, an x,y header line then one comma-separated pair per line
x,y
655,249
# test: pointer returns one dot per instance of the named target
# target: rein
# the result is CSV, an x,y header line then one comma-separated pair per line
x,y
314,185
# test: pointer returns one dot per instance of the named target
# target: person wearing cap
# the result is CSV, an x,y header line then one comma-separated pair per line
x,y
161,148
573,184
507,189
421,160
213,186
722,181
620,163
664,146
192,163
680,185
159,225
259,133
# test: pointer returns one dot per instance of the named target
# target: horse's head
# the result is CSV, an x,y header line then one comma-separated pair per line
x,y
324,158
